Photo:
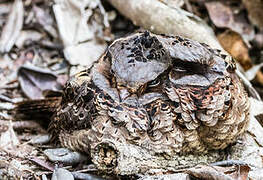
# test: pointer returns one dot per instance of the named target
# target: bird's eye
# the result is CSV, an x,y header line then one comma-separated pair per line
x,y
154,83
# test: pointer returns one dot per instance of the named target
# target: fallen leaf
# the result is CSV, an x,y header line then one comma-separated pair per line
x,y
62,174
80,31
241,172
77,24
224,17
258,40
34,80
255,174
233,43
85,53
252,72
44,18
252,90
27,36
255,13
17,170
12,27
209,172
42,163
259,76
173,3
8,139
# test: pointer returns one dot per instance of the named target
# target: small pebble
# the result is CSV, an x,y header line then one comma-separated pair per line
x,y
65,156
62,174
42,139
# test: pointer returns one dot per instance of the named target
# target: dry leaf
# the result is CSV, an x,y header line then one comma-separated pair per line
x,y
256,108
42,163
224,17
259,77
173,3
34,80
44,18
252,72
62,174
84,54
241,172
27,36
238,172
255,174
8,139
258,40
79,29
233,43
12,27
209,172
255,13
75,22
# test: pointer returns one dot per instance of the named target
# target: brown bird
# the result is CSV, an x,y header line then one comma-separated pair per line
x,y
167,94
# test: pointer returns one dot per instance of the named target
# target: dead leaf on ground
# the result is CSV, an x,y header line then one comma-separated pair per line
x,y
233,43
240,173
42,163
255,13
12,27
8,139
45,20
34,80
219,173
259,76
85,53
258,40
173,3
28,36
223,17
83,29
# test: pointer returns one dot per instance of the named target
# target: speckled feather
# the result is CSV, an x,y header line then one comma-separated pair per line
x,y
167,94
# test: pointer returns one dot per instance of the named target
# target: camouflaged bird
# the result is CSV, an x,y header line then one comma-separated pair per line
x,y
167,94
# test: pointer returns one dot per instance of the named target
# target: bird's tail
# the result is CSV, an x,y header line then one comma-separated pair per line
x,y
41,109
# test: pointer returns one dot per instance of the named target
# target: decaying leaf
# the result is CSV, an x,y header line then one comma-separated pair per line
x,y
252,72
34,80
42,163
62,174
258,40
173,3
27,36
255,13
85,53
256,107
80,24
259,76
44,18
224,17
12,27
233,43
239,172
8,139
17,170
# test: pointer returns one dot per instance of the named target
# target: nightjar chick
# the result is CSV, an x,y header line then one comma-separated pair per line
x,y
166,94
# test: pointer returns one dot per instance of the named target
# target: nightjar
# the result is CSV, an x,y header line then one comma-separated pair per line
x,y
167,94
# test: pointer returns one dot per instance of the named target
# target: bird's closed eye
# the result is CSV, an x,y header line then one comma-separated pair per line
x,y
154,83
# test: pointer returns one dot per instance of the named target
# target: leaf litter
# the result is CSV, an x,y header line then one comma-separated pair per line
x,y
43,43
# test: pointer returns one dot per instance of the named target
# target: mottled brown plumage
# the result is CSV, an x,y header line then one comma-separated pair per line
x,y
167,94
